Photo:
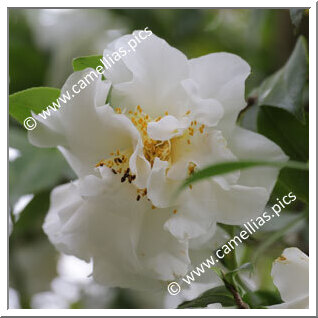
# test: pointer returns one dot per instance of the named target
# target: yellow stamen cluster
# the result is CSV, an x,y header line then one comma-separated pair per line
x,y
152,148
118,161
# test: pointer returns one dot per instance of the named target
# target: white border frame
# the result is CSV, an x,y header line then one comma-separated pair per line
x,y
312,154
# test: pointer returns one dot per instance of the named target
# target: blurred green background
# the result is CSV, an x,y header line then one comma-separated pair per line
x,y
42,44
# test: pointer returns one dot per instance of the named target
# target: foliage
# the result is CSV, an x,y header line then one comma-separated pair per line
x,y
33,99
81,63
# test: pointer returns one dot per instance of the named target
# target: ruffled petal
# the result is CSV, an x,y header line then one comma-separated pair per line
x,y
67,211
157,70
207,111
247,198
81,128
84,219
222,76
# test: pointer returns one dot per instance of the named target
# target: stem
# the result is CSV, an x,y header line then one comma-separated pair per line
x,y
237,297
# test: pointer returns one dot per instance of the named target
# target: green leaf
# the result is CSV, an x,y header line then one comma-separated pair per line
x,y
293,137
284,88
226,167
261,298
282,128
36,169
296,181
81,63
215,295
36,99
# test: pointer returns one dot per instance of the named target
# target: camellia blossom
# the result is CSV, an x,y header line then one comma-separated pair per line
x,y
165,117
290,274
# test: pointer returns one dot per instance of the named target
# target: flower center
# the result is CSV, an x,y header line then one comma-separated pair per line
x,y
152,148
118,161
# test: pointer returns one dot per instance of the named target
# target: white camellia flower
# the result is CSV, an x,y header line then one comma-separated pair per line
x,y
167,116
290,274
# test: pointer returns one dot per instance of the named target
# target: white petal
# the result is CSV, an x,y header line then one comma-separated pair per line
x,y
140,253
290,274
237,204
213,239
48,132
160,189
90,186
82,126
247,145
247,199
139,166
196,213
167,128
207,111
88,145
157,70
222,76
84,221
205,149
65,204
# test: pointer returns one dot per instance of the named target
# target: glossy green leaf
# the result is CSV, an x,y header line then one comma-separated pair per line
x,y
36,99
81,63
282,128
284,89
226,167
296,181
215,295
293,137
